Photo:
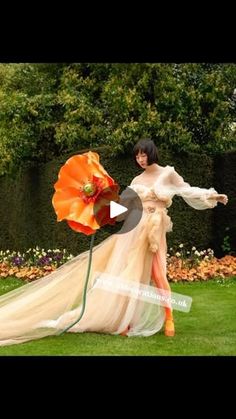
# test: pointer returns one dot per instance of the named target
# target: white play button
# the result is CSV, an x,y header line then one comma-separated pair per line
x,y
116,209
106,209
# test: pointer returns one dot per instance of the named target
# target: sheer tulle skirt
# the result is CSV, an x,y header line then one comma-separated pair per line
x,y
49,305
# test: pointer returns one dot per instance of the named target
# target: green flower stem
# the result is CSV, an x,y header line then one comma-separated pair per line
x,y
85,285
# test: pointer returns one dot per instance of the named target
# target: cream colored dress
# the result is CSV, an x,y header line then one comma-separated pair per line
x,y
49,305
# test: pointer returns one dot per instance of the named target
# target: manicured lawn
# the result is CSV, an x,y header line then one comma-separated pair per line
x,y
208,329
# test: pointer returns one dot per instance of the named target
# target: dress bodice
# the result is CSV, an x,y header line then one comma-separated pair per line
x,y
146,193
156,192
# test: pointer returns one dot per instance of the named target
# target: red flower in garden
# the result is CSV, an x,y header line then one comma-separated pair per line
x,y
83,193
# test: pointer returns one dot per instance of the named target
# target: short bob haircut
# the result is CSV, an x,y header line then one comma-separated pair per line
x,y
147,146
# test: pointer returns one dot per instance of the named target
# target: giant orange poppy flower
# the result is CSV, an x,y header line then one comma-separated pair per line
x,y
83,193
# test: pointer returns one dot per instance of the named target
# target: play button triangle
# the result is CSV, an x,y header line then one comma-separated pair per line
x,y
116,209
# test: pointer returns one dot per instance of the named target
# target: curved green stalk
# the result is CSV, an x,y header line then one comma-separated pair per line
x,y
85,285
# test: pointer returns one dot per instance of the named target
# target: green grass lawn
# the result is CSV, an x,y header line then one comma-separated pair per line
x,y
208,329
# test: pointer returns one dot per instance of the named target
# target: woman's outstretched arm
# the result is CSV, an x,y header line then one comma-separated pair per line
x,y
198,198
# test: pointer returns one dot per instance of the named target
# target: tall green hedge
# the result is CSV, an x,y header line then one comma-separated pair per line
x,y
224,218
27,217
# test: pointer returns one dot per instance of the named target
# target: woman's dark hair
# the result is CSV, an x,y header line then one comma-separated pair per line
x,y
147,146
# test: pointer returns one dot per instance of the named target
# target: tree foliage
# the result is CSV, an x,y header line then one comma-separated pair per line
x,y
47,109
28,114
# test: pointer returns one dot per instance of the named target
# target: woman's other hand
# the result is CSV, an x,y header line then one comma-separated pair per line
x,y
222,198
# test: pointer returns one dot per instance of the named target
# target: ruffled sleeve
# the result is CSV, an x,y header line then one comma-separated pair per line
x,y
198,198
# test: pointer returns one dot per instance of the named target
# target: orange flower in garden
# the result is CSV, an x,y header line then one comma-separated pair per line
x,y
83,193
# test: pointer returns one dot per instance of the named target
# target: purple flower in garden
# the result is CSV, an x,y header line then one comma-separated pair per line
x,y
58,256
18,261
44,261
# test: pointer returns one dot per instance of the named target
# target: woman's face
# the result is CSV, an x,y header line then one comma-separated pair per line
x,y
142,159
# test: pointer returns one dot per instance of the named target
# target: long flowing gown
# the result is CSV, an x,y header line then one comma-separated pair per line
x,y
50,304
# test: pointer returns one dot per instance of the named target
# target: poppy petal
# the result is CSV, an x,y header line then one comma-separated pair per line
x,y
83,213
62,201
80,228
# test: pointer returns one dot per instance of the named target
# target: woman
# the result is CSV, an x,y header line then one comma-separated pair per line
x,y
134,256
146,156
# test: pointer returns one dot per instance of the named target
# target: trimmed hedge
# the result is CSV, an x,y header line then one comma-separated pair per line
x,y
27,217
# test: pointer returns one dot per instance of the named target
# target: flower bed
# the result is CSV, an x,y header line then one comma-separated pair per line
x,y
182,265
32,264
194,265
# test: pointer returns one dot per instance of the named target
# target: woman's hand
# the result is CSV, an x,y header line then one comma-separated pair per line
x,y
221,198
